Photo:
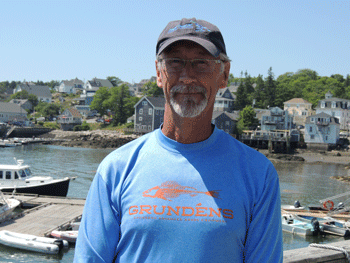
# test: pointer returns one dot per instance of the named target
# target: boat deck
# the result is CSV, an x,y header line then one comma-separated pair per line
x,y
48,214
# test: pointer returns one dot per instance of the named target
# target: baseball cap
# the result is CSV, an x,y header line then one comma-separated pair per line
x,y
199,31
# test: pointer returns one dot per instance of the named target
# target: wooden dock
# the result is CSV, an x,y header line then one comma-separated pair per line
x,y
48,214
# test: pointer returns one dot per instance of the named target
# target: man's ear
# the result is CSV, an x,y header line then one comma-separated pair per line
x,y
159,79
226,74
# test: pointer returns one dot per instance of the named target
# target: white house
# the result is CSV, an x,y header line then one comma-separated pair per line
x,y
70,86
321,128
338,108
224,100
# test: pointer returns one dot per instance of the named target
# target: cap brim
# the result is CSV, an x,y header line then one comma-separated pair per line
x,y
210,47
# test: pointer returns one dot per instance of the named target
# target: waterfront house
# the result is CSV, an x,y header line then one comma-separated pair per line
x,y
25,104
224,100
42,92
70,86
321,130
149,114
91,86
225,121
336,107
300,109
69,118
11,112
276,119
136,89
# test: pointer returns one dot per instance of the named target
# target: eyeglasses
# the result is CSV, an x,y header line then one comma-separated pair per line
x,y
198,65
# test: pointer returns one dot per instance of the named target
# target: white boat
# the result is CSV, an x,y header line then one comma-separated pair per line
x,y
69,235
331,226
32,243
18,178
295,207
295,225
7,205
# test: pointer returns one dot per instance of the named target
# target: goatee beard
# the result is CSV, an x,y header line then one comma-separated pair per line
x,y
188,106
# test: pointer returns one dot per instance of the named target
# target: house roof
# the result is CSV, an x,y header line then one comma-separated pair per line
x,y
11,108
74,112
95,82
18,101
39,91
232,115
333,120
72,82
157,102
297,100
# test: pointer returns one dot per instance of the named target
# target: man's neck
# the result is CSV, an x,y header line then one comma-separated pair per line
x,y
187,130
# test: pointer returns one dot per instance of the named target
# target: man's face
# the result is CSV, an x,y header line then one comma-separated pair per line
x,y
188,91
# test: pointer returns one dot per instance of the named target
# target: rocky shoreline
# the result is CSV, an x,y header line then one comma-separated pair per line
x,y
88,139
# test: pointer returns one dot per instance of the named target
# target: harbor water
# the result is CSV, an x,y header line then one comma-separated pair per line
x,y
307,183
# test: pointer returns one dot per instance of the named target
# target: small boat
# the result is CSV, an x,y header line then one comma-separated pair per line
x,y
33,243
7,205
295,225
18,178
75,225
331,226
69,235
295,207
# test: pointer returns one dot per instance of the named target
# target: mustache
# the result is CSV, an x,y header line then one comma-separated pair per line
x,y
187,89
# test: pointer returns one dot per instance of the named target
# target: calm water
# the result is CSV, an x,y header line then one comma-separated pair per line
x,y
305,182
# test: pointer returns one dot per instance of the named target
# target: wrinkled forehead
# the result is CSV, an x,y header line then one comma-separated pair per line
x,y
186,47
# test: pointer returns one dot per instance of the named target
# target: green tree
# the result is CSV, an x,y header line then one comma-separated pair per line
x,y
100,101
33,100
270,85
23,95
118,102
247,119
50,110
151,89
260,93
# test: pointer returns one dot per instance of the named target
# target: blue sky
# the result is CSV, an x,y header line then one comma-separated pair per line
x,y
57,39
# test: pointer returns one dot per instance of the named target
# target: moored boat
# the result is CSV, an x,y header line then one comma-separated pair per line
x,y
32,243
18,178
7,205
69,235
295,225
331,226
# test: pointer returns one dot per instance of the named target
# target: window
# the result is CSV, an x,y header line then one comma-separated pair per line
x,y
157,112
323,104
140,111
16,175
326,138
310,130
8,174
334,104
149,111
227,123
149,127
144,102
140,118
312,137
1,174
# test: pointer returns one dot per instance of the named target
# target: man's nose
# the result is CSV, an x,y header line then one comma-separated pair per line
x,y
187,74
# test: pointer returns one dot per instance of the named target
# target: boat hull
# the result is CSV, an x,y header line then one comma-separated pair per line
x,y
69,235
57,188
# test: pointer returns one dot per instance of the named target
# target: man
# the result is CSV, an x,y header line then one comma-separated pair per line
x,y
187,192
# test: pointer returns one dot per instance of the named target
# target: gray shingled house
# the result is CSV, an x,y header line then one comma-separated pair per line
x,y
12,112
149,114
42,92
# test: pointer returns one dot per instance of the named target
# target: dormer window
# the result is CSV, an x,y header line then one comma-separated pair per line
x,y
334,105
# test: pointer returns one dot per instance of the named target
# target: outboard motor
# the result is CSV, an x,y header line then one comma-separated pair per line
x,y
316,226
59,243
297,204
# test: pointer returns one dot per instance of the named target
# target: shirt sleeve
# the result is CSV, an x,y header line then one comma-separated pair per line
x,y
264,242
99,228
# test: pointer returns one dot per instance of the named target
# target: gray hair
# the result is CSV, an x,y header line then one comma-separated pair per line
x,y
222,56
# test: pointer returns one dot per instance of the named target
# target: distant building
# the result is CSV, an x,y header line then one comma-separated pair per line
x,y
276,119
300,109
149,114
321,128
25,104
91,86
225,121
12,112
136,90
42,92
336,107
224,100
70,86
69,118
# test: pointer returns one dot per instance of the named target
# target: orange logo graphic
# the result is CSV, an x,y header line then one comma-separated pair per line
x,y
170,190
